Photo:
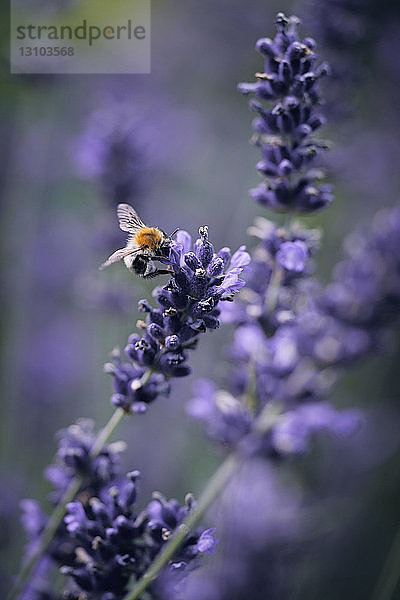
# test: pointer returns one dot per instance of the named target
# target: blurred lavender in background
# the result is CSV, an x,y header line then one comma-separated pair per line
x,y
360,39
292,337
111,152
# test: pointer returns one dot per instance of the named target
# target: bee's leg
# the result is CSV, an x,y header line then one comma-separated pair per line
x,y
164,271
161,258
152,274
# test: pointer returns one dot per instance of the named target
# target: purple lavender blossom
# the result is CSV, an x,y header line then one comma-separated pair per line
x,y
286,95
226,419
293,338
299,245
207,543
104,540
300,358
187,306
292,433
293,256
328,328
114,542
107,535
73,460
365,291
165,515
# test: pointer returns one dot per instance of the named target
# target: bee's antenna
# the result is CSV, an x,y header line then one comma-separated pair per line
x,y
174,232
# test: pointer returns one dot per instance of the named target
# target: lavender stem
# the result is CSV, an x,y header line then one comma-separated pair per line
x,y
105,434
215,486
46,537
273,289
389,576
266,420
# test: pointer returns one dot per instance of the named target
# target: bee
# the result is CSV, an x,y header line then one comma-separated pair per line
x,y
143,247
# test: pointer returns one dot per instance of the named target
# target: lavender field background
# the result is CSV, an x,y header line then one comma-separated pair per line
x,y
175,145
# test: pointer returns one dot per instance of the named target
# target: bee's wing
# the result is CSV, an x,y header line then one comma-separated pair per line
x,y
117,256
128,218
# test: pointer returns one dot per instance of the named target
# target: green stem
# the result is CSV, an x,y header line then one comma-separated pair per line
x,y
104,435
288,221
215,486
250,393
390,573
59,512
264,422
46,537
275,283
271,299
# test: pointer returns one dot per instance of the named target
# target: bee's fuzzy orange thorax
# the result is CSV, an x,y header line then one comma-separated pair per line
x,y
149,237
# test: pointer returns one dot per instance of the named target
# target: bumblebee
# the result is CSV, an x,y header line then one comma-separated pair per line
x,y
143,247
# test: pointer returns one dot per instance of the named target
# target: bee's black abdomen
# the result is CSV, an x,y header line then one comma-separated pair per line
x,y
139,265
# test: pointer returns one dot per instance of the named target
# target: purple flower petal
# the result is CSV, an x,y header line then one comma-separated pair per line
x,y
293,256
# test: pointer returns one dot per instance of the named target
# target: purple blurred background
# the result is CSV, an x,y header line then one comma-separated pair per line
x,y
174,144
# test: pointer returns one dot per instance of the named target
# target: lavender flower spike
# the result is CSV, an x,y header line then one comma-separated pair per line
x,y
276,367
114,543
73,462
285,99
104,540
186,306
